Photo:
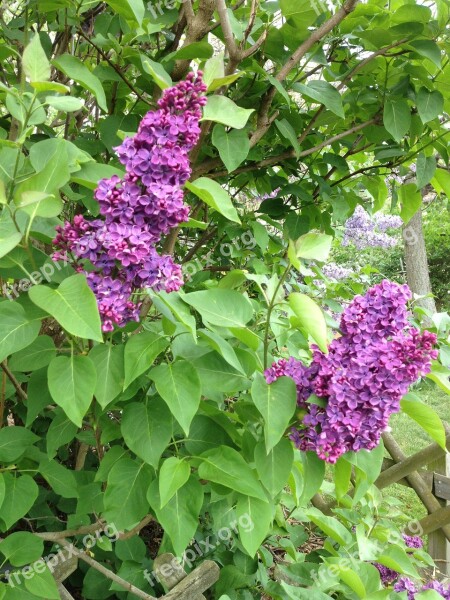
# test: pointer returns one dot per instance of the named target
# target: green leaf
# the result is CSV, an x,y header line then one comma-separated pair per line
x,y
397,559
147,429
62,480
310,318
68,104
180,516
425,169
217,376
440,375
348,576
61,432
74,68
14,441
342,475
178,384
425,416
90,174
214,69
311,246
34,62
9,239
221,109
43,585
71,381
313,470
410,199
50,86
225,466
254,518
224,81
201,50
233,146
273,467
125,496
157,72
109,364
35,356
16,331
429,49
397,118
133,10
39,204
38,395
178,309
302,13
172,476
73,305
288,132
324,93
21,548
226,308
215,196
276,402
21,492
441,182
140,352
330,526
221,346
429,104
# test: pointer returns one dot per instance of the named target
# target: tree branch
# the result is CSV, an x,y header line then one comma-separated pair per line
x,y
20,392
106,572
316,36
273,160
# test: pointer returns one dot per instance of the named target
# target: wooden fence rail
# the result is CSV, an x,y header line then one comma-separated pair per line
x,y
427,472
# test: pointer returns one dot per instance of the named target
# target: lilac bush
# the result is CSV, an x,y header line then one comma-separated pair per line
x,y
362,378
119,252
365,231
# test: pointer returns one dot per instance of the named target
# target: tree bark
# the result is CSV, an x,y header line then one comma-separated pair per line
x,y
416,263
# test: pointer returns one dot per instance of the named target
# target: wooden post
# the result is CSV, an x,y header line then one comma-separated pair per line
x,y
438,544
182,586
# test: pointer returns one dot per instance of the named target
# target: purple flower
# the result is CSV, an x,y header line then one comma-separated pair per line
x,y
404,584
139,209
337,272
364,231
362,378
412,541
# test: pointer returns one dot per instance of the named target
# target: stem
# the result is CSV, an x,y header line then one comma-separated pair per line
x,y
269,313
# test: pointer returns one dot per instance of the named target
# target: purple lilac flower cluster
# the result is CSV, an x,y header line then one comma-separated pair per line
x,y
388,576
139,209
364,231
362,378
336,272
404,584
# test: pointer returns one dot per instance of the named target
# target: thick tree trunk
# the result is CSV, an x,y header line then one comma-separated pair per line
x,y
417,273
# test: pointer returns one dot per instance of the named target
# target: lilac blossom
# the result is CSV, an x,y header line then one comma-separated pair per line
x,y
336,272
138,209
365,231
388,576
404,584
363,376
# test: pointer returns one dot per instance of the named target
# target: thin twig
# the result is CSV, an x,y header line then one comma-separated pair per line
x,y
115,67
16,384
106,572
